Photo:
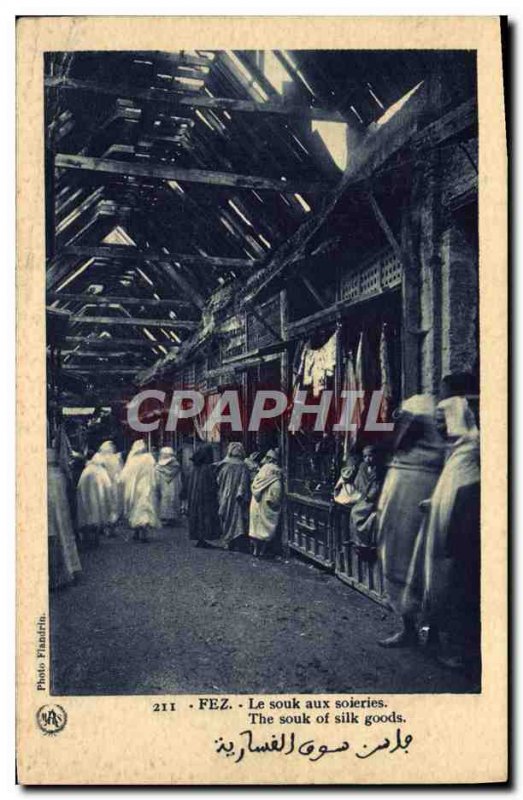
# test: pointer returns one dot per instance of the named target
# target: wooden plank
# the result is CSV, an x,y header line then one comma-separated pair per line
x,y
185,286
173,173
105,300
317,296
105,344
387,230
128,252
97,369
305,325
121,354
261,319
177,99
459,119
183,324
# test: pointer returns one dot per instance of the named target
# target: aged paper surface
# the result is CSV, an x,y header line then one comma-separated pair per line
x,y
208,736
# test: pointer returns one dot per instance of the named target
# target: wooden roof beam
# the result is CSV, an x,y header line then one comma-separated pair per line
x,y
193,294
181,324
98,369
107,344
171,172
109,354
135,254
197,101
105,300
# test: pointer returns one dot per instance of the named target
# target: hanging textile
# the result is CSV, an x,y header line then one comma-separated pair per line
x,y
211,401
319,365
359,385
386,377
350,385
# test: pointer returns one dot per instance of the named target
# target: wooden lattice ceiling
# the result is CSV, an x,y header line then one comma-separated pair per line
x,y
169,175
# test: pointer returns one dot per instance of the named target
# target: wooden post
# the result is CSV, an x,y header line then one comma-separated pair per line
x,y
410,293
49,203
284,438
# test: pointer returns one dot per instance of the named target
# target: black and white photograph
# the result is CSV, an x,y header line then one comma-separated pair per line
x,y
263,371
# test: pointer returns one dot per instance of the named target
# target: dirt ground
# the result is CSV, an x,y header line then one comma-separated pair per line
x,y
167,618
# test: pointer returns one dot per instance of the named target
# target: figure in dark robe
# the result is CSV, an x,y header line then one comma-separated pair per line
x,y
202,498
234,494
169,486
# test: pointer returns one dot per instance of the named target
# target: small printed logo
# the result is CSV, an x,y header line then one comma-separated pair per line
x,y
51,719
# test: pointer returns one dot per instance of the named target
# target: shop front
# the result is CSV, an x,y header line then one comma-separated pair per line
x,y
353,345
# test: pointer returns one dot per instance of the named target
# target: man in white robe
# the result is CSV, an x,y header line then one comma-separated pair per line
x,y
139,485
266,503
93,501
112,462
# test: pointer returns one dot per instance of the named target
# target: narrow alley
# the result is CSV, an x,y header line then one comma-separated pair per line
x,y
167,618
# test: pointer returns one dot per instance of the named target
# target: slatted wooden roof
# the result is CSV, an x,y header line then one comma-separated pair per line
x,y
170,175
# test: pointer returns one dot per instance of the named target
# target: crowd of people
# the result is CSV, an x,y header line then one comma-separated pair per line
x,y
227,503
417,509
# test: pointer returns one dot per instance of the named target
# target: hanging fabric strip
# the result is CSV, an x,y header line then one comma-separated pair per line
x,y
350,384
386,377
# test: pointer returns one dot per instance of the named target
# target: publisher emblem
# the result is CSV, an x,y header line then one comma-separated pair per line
x,y
51,719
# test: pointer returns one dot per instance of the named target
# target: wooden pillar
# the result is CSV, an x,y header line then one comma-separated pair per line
x,y
284,437
422,283
410,298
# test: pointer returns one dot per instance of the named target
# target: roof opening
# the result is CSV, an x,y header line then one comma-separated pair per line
x,y
275,72
75,274
303,203
119,235
395,107
334,136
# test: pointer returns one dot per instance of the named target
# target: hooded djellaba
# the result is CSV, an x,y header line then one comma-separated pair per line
x,y
202,498
93,501
266,503
445,567
169,486
112,462
234,493
127,475
139,489
252,462
411,478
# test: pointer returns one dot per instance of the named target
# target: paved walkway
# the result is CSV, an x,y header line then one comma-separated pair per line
x,y
165,617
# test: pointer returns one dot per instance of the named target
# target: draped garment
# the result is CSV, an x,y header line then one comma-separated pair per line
x,y
93,496
64,561
266,503
233,480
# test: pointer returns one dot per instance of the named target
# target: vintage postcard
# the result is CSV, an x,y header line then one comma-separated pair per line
x,y
262,375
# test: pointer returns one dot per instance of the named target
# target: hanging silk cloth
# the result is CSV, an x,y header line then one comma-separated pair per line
x,y
386,378
200,421
319,365
349,385
313,367
359,385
